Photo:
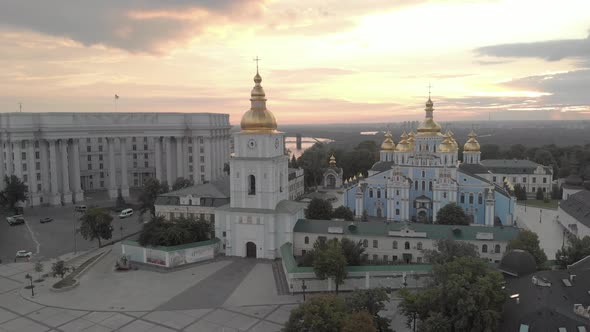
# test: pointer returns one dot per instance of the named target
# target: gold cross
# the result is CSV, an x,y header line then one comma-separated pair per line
x,y
257,59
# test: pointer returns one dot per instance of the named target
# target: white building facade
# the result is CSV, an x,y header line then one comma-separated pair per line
x,y
62,155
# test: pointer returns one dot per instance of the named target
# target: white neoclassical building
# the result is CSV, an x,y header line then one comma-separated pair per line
x,y
62,155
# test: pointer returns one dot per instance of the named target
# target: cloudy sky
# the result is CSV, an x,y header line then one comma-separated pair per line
x,y
323,61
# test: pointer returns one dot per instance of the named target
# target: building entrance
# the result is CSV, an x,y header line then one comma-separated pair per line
x,y
251,250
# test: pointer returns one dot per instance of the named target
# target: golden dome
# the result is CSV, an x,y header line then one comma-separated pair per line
x,y
388,144
446,145
258,118
411,140
452,137
429,127
403,145
472,144
332,161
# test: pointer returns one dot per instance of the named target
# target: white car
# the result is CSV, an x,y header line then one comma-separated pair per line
x,y
23,253
126,213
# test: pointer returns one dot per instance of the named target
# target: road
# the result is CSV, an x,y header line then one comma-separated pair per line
x,y
55,238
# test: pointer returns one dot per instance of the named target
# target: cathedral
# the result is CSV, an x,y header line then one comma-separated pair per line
x,y
414,179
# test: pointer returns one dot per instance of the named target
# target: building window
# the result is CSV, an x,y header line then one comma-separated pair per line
x,y
25,178
89,167
101,175
88,149
101,184
494,179
445,194
385,258
202,159
514,179
497,248
407,245
378,193
375,244
394,245
423,185
147,164
470,198
134,147
307,240
39,189
24,168
423,174
100,166
419,246
397,192
89,158
145,156
544,180
135,156
430,186
36,144
484,248
534,190
534,179
190,159
251,185
415,185
370,193
394,258
38,177
524,180
375,258
37,155
135,164
397,212
365,243
479,199
100,148
462,198
419,260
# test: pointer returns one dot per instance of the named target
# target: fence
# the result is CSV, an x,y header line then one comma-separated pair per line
x,y
171,257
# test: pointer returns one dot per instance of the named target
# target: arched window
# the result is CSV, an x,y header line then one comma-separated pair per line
x,y
423,185
190,201
423,174
479,199
378,193
462,198
416,185
445,194
419,245
370,193
397,212
394,245
434,149
497,249
251,185
407,245
430,186
484,248
470,198
365,243
307,240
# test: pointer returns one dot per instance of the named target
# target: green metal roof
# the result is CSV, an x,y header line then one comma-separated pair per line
x,y
380,228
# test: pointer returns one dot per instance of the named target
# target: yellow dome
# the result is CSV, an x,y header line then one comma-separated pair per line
x,y
332,161
388,144
452,137
258,118
446,145
472,144
429,127
403,145
411,140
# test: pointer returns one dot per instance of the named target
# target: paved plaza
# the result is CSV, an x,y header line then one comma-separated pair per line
x,y
542,222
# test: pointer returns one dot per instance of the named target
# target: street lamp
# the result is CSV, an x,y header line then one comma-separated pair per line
x,y
303,288
30,277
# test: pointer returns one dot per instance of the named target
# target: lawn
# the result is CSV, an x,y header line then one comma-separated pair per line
x,y
552,204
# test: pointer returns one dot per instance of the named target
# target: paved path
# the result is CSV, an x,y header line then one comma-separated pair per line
x,y
542,222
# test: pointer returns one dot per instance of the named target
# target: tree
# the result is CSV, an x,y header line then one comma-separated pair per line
x,y
465,295
319,209
39,269
353,251
574,251
324,313
151,189
358,322
159,232
556,192
330,263
120,203
490,151
528,241
14,191
516,151
540,194
294,162
371,301
181,183
448,250
59,269
451,214
226,168
520,192
364,216
343,212
544,157
96,224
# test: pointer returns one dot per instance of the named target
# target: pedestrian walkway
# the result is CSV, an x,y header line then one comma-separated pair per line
x,y
543,223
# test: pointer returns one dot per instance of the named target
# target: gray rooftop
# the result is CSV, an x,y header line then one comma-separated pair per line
x,y
382,166
578,206
512,166
212,194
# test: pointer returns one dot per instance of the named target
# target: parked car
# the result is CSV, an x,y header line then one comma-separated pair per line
x,y
23,254
15,220
80,208
126,213
46,219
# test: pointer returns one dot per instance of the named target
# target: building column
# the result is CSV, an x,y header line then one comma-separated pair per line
x,y
208,158
2,164
18,164
44,154
9,159
168,161
124,180
196,160
78,193
185,164
112,170
179,158
158,158
67,194
34,197
55,198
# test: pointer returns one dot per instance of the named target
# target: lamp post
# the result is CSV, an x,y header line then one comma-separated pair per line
x,y
30,277
74,221
303,288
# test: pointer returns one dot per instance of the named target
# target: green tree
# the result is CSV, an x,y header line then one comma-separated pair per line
x,y
226,168
575,250
358,322
544,157
59,269
364,216
151,189
451,214
313,160
325,313
96,224
465,296
330,263
448,250
353,251
343,212
294,163
14,191
516,151
520,192
181,183
490,151
319,209
371,301
159,232
540,194
528,241
39,269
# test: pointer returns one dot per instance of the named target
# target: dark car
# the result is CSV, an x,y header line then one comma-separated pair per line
x,y
46,219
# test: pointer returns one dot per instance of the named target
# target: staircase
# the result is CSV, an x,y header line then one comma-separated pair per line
x,y
280,280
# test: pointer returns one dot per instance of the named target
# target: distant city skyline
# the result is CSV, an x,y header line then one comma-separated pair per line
x,y
322,61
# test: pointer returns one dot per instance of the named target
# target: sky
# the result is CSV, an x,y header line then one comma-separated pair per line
x,y
322,61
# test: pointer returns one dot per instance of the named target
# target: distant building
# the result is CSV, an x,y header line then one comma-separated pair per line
x,y
405,243
332,176
574,213
529,175
573,183
296,183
